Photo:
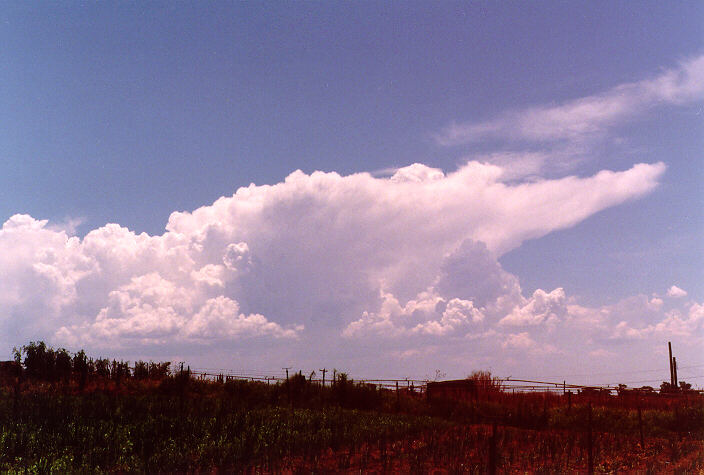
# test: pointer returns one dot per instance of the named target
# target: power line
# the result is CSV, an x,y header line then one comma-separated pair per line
x,y
584,375
652,380
612,373
690,366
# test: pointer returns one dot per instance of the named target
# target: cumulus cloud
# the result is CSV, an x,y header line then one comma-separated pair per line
x,y
523,343
542,307
684,324
637,318
676,292
587,117
656,303
153,310
415,253
428,314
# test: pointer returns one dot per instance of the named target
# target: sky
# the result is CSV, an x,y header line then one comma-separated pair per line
x,y
392,189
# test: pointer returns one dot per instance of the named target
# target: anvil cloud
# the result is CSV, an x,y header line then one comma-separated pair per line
x,y
319,254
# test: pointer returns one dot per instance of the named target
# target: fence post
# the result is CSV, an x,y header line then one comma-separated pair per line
x,y
288,386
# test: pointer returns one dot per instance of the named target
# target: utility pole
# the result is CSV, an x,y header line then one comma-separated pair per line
x,y
323,371
672,369
288,388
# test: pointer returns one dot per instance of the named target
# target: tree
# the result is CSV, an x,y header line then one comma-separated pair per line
x,y
39,362
63,365
141,370
666,387
80,366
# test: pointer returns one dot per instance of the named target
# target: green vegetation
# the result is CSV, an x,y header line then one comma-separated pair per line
x,y
62,412
101,432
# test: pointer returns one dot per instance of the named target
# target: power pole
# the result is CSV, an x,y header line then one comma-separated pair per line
x,y
672,369
288,388
323,371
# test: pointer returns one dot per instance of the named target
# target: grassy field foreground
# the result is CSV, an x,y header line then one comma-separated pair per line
x,y
163,422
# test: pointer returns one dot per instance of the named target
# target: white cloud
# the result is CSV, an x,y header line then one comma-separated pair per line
x,y
411,257
624,331
676,292
587,117
638,318
219,318
542,307
523,343
688,324
151,309
427,314
656,303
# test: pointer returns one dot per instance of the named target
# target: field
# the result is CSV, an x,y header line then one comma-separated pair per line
x,y
161,421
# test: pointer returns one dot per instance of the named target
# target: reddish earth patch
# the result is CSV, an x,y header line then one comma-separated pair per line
x,y
467,449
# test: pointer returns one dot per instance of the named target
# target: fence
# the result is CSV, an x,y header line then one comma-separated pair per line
x,y
420,385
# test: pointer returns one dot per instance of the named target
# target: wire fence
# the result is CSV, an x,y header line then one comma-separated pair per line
x,y
511,385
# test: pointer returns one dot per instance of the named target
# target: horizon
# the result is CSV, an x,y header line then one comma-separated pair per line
x,y
315,375
395,191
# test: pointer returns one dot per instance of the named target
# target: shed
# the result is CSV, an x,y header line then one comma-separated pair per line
x,y
457,389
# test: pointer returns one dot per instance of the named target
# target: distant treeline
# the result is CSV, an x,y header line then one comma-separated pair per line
x,y
41,363
38,361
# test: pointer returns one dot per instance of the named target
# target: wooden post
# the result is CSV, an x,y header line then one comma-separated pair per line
x,y
398,397
288,386
324,371
672,371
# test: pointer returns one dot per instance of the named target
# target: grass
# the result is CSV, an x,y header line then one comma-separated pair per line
x,y
92,420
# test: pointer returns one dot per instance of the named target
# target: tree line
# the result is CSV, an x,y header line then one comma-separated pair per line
x,y
38,361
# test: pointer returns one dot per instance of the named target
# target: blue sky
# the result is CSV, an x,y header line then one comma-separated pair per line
x,y
125,113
